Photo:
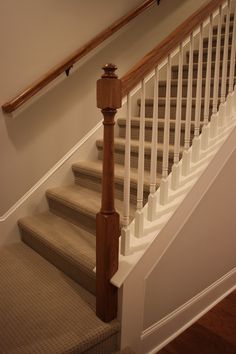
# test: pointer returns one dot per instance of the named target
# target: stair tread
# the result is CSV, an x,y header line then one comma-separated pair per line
x,y
185,81
85,200
162,100
195,65
69,240
95,168
43,311
135,121
120,143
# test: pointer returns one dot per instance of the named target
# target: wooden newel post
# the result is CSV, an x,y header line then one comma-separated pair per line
x,y
107,221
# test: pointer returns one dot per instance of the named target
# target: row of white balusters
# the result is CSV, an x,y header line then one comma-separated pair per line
x,y
209,130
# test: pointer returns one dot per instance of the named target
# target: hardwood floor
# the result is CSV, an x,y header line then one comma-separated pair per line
x,y
214,333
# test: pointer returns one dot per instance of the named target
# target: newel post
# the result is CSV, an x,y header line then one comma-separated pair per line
x,y
107,221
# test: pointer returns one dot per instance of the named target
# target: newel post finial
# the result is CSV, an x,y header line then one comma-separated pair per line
x,y
107,220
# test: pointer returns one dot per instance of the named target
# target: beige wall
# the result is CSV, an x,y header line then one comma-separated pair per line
x,y
34,36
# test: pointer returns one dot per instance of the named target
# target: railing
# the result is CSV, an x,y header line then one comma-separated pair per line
x,y
201,109
67,64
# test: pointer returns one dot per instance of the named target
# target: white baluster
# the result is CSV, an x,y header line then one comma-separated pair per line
x,y
165,163
186,160
206,128
225,55
232,58
198,102
222,108
208,75
125,232
188,117
176,166
139,217
230,105
152,198
217,64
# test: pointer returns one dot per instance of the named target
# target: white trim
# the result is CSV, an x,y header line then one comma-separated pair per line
x,y
37,185
206,300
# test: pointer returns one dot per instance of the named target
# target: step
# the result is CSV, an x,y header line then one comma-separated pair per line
x,y
70,248
174,69
44,311
214,41
174,87
205,54
119,147
222,29
135,122
80,205
89,175
173,103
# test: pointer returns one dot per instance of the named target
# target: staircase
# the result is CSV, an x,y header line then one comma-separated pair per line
x,y
48,281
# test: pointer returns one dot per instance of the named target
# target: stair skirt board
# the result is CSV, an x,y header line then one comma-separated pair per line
x,y
170,327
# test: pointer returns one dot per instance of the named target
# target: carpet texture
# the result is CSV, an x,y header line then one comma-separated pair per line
x,y
44,311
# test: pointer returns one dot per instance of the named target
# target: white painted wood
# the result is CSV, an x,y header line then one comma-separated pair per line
x,y
152,200
125,234
170,327
165,163
139,213
198,101
225,54
189,96
208,75
217,62
163,198
205,136
186,162
232,57
141,339
196,147
213,126
179,106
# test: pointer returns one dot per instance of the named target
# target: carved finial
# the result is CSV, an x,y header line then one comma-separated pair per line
x,y
109,71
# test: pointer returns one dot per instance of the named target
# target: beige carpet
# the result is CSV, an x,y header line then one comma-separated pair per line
x,y
44,311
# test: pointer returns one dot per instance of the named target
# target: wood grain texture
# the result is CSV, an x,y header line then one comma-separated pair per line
x,y
214,333
107,220
160,52
64,66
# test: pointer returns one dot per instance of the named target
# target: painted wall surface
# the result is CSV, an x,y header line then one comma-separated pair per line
x,y
203,251
37,35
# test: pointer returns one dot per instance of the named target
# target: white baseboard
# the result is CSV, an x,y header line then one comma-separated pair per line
x,y
167,329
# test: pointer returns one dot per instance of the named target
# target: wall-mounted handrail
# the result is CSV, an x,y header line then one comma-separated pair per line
x,y
148,63
65,66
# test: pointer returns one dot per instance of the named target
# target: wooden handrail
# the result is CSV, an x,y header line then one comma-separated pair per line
x,y
65,66
162,50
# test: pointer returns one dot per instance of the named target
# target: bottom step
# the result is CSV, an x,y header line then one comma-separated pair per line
x,y
44,311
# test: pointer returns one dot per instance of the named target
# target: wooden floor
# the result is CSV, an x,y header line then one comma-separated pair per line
x,y
214,333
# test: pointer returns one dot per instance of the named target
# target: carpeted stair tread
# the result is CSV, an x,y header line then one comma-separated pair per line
x,y
94,168
44,311
173,101
69,247
135,122
195,66
82,199
119,144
